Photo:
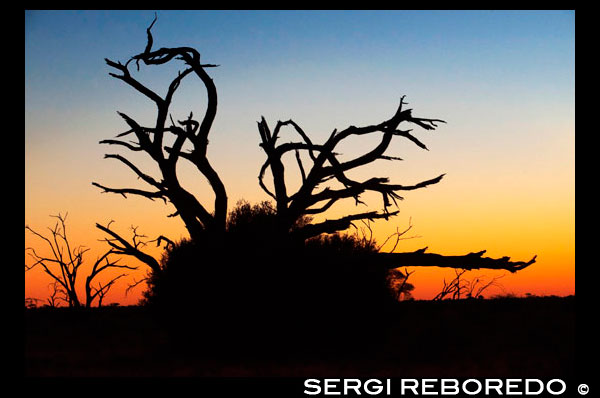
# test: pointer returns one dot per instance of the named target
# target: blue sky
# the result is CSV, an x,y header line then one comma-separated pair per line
x,y
523,48
319,66
273,61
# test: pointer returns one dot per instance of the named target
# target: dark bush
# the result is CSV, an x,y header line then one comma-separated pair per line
x,y
265,293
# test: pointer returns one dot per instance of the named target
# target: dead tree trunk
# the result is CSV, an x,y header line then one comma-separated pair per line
x,y
151,140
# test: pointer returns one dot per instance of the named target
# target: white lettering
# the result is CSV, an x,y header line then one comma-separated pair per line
x,y
453,387
551,391
428,383
331,383
413,387
528,390
468,392
312,383
430,387
493,384
376,390
348,387
510,384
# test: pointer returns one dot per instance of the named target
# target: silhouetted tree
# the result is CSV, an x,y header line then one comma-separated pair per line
x,y
399,285
64,264
326,166
56,295
290,219
460,287
31,302
152,141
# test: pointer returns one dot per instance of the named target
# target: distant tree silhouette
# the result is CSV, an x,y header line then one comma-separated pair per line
x,y
31,302
292,215
399,284
56,295
460,287
64,264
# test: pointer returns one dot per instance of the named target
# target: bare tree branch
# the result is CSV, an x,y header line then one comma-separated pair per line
x,y
137,171
326,166
468,262
331,226
132,191
399,236
127,78
135,284
122,246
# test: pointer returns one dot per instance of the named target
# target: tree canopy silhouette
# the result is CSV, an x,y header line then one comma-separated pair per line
x,y
290,208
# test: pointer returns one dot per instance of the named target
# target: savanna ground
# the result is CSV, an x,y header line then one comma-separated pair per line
x,y
506,337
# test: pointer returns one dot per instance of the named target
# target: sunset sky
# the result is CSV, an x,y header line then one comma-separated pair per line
x,y
504,81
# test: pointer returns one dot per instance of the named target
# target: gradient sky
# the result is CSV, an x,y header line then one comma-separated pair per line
x,y
503,80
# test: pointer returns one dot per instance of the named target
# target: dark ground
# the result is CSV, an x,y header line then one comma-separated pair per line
x,y
523,338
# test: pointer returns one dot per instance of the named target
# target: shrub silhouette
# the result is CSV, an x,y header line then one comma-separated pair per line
x,y
257,295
